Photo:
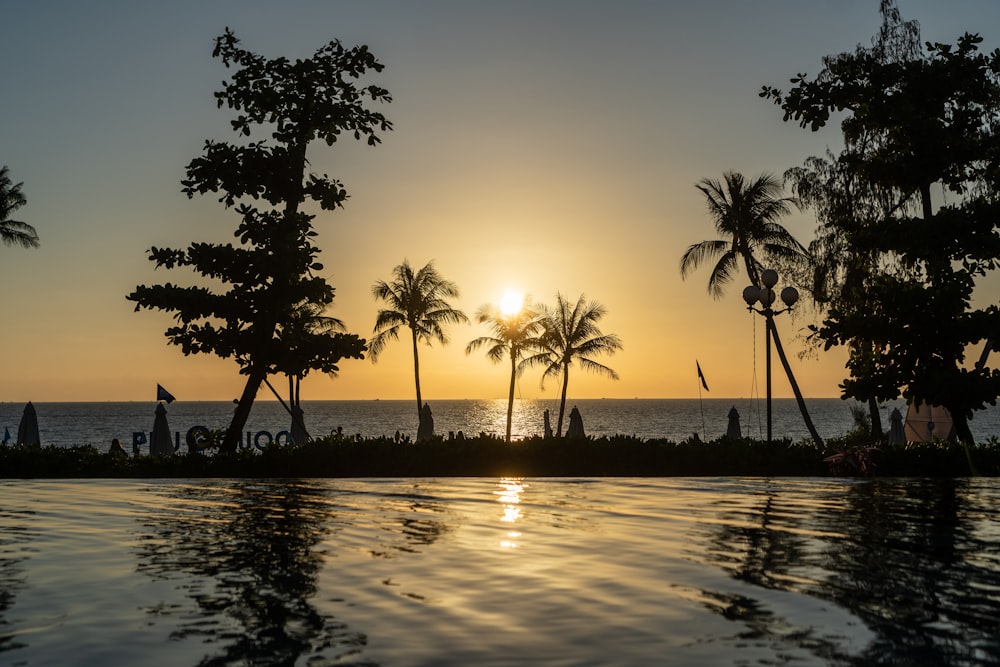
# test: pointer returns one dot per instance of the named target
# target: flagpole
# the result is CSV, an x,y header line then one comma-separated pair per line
x,y
701,406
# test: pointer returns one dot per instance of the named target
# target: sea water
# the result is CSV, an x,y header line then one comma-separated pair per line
x,y
496,572
70,424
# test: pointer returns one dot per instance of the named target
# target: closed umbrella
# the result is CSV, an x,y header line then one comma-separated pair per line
x,y
425,431
896,434
733,429
547,424
575,429
161,443
27,429
927,423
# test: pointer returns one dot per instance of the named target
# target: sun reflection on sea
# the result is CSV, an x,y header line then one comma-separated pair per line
x,y
508,493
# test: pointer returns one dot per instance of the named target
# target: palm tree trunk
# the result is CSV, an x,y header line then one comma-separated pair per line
x,y
416,371
791,380
234,434
510,395
876,417
961,425
562,400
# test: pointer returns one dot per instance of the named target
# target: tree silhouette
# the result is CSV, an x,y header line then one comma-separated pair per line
x,y
14,232
570,332
843,200
930,121
309,340
418,301
746,215
513,337
269,275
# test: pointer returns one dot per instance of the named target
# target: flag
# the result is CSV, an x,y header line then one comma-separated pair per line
x,y
701,376
163,395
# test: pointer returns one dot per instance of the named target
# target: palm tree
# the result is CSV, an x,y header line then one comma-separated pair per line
x,y
14,232
513,336
571,332
746,216
416,300
310,340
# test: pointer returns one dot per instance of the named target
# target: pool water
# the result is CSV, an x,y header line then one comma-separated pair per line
x,y
477,571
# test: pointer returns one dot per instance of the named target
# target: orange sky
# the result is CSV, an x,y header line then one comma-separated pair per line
x,y
538,146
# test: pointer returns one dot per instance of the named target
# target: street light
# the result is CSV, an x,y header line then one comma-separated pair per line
x,y
765,297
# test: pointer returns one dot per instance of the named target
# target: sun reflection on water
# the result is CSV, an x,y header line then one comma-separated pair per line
x,y
508,493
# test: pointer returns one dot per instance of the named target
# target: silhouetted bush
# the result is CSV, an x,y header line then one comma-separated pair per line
x,y
490,456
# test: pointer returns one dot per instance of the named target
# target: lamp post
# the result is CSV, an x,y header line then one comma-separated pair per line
x,y
765,297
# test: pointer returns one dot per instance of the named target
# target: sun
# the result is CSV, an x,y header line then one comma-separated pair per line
x,y
511,303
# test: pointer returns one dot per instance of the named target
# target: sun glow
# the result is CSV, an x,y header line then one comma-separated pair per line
x,y
511,303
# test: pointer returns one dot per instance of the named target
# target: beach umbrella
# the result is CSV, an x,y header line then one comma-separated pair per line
x,y
27,429
897,436
733,429
547,424
161,444
298,430
926,423
425,431
575,429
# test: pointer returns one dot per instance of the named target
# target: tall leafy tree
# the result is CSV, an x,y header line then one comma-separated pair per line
x,y
844,201
746,215
930,122
14,232
418,301
514,337
571,333
266,283
839,269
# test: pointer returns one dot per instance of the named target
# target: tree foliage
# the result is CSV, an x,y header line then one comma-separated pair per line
x,y
910,121
745,214
14,232
265,305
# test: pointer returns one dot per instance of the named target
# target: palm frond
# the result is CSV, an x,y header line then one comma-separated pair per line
x,y
701,252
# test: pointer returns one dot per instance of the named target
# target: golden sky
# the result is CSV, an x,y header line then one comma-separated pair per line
x,y
542,147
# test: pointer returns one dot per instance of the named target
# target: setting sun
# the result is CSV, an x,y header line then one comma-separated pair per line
x,y
511,302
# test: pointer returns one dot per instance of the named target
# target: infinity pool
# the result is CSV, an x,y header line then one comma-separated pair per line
x,y
653,571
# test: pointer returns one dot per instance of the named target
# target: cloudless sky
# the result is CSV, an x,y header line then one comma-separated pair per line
x,y
538,146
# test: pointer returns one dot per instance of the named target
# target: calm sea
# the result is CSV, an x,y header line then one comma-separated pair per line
x,y
70,424
497,572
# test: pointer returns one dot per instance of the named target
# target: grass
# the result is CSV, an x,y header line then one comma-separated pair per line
x,y
490,456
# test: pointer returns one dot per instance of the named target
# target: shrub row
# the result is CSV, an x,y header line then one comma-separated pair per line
x,y
489,456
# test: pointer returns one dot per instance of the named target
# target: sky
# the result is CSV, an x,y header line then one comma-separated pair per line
x,y
542,147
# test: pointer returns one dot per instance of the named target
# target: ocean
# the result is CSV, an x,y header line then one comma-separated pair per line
x,y
72,424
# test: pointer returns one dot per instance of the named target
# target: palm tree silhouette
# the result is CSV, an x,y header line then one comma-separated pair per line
x,y
416,300
311,340
14,232
745,215
571,332
513,336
